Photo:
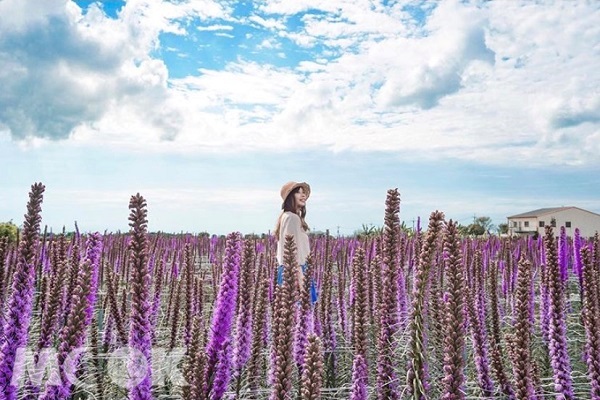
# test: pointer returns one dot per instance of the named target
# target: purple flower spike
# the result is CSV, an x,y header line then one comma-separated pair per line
x,y
454,339
18,312
74,332
520,348
140,331
225,305
417,369
591,320
561,365
359,378
223,371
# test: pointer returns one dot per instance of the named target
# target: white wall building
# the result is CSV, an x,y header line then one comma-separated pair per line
x,y
570,217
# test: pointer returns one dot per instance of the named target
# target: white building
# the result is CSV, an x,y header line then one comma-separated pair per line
x,y
570,217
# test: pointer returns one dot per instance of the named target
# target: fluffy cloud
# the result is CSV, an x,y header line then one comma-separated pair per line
x,y
64,68
491,82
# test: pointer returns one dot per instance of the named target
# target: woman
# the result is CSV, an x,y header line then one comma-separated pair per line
x,y
291,222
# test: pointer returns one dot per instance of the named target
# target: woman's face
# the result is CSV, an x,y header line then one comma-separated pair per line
x,y
300,198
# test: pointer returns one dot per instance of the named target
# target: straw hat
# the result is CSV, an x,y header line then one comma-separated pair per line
x,y
290,186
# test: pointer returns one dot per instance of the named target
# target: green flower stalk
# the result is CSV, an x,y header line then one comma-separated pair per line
x,y
417,371
18,311
454,341
313,370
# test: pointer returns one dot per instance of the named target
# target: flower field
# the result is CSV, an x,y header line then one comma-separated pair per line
x,y
428,314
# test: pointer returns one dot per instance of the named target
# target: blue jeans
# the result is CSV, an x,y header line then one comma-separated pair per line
x,y
313,287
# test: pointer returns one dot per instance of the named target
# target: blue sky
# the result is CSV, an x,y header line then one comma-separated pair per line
x,y
207,107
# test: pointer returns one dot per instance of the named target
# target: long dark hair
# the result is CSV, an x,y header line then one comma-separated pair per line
x,y
290,205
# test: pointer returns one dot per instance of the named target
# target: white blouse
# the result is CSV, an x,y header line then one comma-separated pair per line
x,y
292,225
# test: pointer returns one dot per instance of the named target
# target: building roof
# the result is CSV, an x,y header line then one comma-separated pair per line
x,y
539,212
543,211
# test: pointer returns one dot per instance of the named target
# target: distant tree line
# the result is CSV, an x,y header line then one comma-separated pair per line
x,y
9,230
479,227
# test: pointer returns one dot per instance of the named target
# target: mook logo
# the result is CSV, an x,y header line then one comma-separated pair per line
x,y
126,367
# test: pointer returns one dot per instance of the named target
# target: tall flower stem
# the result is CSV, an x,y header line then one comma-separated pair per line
x,y
478,331
243,329
283,325
561,365
591,322
80,316
417,377
188,257
259,324
454,329
18,312
496,353
521,338
313,370
222,319
387,381
140,331
361,325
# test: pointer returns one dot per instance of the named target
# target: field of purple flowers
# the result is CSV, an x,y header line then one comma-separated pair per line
x,y
421,315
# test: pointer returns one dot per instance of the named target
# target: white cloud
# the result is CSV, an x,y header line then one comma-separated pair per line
x,y
491,82
215,28
270,23
269,43
64,68
243,83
